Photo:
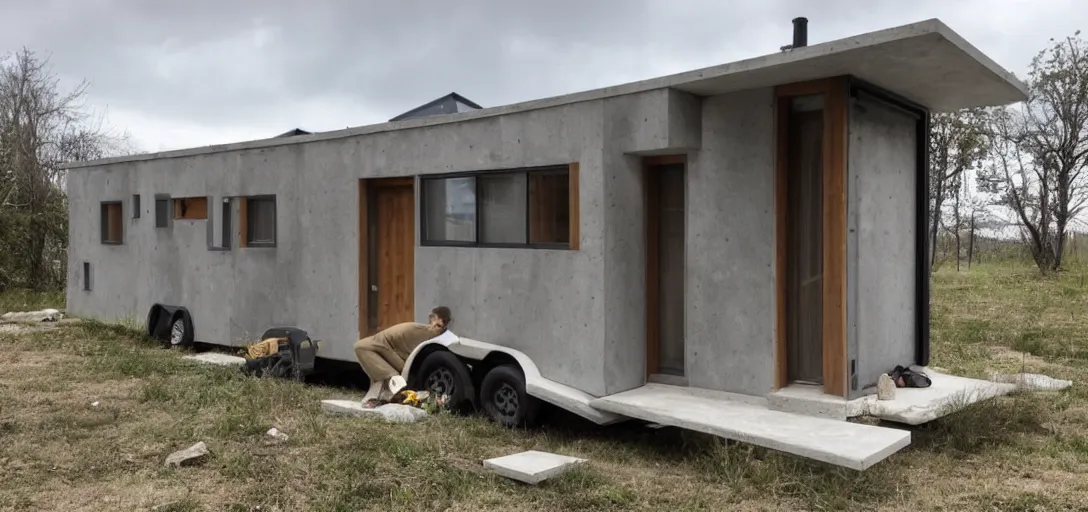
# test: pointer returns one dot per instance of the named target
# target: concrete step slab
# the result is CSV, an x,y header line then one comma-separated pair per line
x,y
216,358
836,442
532,467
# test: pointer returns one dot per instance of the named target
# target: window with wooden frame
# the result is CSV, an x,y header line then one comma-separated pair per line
x,y
191,208
112,226
257,221
532,208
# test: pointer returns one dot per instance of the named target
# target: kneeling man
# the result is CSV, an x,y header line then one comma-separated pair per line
x,y
382,355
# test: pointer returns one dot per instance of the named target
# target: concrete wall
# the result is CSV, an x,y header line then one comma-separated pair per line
x,y
881,239
550,304
730,312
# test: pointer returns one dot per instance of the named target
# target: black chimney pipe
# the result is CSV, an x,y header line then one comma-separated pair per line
x,y
800,32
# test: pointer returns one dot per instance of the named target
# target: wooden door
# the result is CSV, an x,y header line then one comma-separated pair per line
x,y
810,234
396,255
386,253
804,270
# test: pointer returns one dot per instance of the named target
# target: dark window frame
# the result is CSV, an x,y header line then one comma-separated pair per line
x,y
135,206
249,221
164,220
425,241
226,223
104,221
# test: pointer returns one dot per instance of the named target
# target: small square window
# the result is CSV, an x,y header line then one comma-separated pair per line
x,y
111,223
449,210
260,221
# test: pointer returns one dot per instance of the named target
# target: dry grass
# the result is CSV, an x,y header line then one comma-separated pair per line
x,y
58,452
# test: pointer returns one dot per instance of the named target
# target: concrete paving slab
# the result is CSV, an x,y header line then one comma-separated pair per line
x,y
836,442
216,358
945,395
1033,381
532,467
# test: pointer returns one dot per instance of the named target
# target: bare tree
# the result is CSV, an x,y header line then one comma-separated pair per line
x,y
41,128
1041,150
957,143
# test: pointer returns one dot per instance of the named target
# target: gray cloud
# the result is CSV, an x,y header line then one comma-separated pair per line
x,y
201,72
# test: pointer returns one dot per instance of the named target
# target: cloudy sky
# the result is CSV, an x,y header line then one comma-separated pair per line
x,y
198,72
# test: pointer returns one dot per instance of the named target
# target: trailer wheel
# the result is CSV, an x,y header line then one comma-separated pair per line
x,y
442,373
503,397
181,330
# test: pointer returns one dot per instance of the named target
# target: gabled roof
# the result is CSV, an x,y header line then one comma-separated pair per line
x,y
451,103
292,133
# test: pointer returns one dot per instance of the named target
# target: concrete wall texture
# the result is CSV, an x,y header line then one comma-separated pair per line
x,y
547,303
730,315
578,314
881,239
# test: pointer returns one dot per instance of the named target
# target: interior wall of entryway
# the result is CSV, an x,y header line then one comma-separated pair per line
x,y
882,244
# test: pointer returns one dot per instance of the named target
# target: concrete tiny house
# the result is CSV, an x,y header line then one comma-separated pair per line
x,y
746,240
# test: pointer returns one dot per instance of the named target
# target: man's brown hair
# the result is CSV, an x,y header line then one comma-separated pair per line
x,y
443,314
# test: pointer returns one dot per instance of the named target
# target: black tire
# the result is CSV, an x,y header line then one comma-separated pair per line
x,y
504,400
153,328
283,369
184,337
441,371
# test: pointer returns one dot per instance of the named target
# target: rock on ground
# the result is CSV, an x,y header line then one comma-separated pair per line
x,y
276,435
392,413
187,456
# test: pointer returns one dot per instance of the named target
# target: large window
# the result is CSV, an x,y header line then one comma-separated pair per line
x,y
112,225
259,221
517,208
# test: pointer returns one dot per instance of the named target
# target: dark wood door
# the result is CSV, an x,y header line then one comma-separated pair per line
x,y
804,267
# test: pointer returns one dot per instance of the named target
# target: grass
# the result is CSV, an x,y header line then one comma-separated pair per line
x,y
60,452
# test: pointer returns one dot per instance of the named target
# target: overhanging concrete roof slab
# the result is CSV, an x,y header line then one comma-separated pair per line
x,y
924,62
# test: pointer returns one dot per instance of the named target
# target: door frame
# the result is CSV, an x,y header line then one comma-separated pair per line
x,y
366,185
834,334
650,185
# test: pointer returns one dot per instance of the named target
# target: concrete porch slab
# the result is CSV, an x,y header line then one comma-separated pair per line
x,y
812,401
532,467
828,440
216,358
946,395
